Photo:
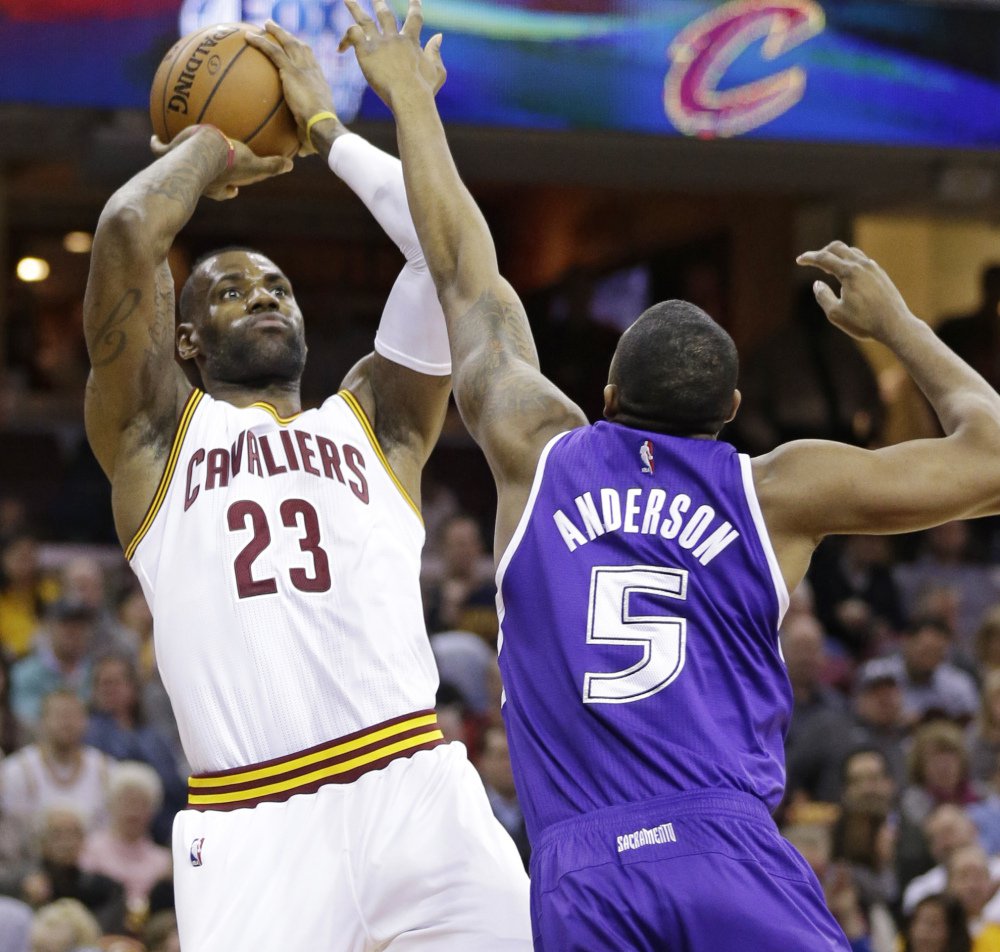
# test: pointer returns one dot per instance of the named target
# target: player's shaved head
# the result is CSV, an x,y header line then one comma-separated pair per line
x,y
675,371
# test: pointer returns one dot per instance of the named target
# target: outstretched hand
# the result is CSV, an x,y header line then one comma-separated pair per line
x,y
391,57
869,303
247,167
303,84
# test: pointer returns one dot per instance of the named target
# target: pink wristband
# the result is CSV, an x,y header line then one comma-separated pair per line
x,y
231,155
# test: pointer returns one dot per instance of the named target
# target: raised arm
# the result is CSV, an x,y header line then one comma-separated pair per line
x,y
810,489
509,407
404,386
136,390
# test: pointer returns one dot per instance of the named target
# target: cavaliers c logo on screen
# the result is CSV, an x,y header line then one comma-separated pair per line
x,y
704,50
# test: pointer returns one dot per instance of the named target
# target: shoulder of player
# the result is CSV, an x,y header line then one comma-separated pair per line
x,y
786,482
782,470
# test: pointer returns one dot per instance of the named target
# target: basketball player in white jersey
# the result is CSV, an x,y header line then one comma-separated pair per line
x,y
279,550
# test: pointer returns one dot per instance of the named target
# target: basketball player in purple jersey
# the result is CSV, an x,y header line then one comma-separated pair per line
x,y
644,566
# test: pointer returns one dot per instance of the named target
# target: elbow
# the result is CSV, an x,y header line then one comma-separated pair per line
x,y
979,437
120,217
981,420
447,277
123,228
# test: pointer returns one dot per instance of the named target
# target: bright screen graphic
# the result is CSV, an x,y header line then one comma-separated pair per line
x,y
880,73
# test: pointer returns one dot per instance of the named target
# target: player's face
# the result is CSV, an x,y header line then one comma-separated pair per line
x,y
251,330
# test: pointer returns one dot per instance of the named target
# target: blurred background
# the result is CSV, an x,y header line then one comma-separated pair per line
x,y
623,151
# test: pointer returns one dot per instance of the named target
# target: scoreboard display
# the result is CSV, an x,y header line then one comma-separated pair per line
x,y
882,73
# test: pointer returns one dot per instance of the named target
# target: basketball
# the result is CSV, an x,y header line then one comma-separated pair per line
x,y
215,76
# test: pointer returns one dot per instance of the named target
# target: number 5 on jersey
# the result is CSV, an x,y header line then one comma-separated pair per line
x,y
611,621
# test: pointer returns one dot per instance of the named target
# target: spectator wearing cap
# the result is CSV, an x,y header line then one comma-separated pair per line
x,y
60,661
879,715
83,579
932,685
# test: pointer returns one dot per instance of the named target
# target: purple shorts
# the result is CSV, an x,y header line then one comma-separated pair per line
x,y
703,872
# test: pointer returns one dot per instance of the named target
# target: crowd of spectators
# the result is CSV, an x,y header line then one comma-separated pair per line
x,y
91,772
893,752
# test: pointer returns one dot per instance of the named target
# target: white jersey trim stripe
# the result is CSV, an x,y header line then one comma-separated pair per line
x,y
187,414
362,418
780,589
522,525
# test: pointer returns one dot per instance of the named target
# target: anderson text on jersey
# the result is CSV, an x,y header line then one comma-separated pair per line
x,y
700,530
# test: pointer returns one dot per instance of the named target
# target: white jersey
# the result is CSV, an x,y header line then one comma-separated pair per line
x,y
280,558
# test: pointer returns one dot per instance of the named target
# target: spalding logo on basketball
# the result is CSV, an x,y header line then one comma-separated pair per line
x,y
320,23
213,75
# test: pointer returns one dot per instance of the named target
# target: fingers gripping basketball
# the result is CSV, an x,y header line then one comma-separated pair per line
x,y
215,76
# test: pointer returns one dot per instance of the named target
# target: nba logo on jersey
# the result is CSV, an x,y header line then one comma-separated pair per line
x,y
196,851
646,455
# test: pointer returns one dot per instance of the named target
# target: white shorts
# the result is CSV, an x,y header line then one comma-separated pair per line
x,y
408,857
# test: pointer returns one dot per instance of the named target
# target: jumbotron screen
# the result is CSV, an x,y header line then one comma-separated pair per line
x,y
913,74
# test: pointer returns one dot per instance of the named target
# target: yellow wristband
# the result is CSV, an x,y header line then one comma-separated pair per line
x,y
319,117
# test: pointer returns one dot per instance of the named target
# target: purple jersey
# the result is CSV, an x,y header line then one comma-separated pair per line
x,y
639,603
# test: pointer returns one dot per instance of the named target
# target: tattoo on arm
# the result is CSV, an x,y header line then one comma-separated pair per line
x,y
162,326
110,337
503,323
499,331
185,182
